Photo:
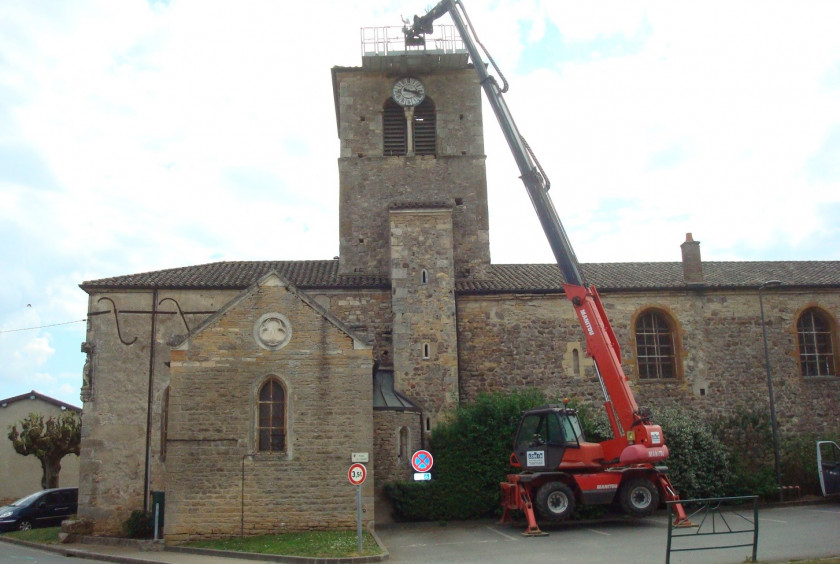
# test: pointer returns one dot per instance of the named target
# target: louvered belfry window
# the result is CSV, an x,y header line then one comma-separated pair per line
x,y
424,128
396,129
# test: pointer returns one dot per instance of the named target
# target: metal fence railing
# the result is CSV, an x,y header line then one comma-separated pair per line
x,y
716,523
389,40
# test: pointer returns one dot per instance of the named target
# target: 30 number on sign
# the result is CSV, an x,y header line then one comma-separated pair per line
x,y
357,474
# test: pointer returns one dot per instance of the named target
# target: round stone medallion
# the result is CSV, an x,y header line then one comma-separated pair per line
x,y
272,331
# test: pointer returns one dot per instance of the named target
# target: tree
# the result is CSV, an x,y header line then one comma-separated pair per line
x,y
49,441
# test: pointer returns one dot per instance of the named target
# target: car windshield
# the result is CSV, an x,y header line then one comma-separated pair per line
x,y
26,500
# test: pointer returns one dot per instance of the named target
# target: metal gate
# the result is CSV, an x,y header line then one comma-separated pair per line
x,y
729,520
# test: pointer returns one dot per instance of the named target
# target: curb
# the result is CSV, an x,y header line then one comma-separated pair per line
x,y
75,553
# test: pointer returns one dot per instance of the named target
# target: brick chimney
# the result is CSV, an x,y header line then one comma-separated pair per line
x,y
692,265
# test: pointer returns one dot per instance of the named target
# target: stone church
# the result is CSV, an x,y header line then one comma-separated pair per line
x,y
244,390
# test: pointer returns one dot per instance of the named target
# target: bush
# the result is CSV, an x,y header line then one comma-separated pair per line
x,y
698,465
748,439
799,460
413,501
139,525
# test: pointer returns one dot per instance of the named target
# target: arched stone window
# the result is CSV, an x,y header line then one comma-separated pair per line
x,y
816,336
409,131
271,417
656,356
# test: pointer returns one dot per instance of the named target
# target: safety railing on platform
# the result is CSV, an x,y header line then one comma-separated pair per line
x,y
734,519
391,40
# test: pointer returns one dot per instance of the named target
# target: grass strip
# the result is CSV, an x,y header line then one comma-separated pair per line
x,y
48,535
333,544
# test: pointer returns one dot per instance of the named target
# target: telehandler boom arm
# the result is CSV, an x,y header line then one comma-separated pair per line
x,y
601,343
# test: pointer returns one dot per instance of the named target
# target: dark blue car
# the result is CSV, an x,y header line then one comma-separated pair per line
x,y
46,508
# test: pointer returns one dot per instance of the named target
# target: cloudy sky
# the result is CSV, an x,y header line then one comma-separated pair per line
x,y
141,135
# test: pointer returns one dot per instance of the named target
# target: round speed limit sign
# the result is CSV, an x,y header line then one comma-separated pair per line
x,y
357,474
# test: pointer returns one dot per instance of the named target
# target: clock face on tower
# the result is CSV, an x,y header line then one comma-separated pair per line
x,y
408,92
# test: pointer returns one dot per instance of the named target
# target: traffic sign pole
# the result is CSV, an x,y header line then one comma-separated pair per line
x,y
359,516
357,475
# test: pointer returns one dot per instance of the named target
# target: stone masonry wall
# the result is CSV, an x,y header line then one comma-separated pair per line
x,y
509,342
370,185
368,312
218,483
112,460
424,329
393,459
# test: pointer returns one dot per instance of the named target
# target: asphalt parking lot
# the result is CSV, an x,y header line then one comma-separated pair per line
x,y
784,533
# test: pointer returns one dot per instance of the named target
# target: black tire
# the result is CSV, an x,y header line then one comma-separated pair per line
x,y
639,497
555,501
24,525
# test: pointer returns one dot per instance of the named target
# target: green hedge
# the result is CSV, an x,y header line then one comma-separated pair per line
x,y
746,435
698,465
798,456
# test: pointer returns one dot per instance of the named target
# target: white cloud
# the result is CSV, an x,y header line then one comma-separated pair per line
x,y
23,356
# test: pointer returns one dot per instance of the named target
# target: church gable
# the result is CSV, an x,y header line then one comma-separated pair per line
x,y
249,393
263,291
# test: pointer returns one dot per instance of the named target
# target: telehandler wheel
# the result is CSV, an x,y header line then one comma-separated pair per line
x,y
555,501
639,497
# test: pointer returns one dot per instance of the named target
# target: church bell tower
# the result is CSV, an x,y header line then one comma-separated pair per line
x,y
413,195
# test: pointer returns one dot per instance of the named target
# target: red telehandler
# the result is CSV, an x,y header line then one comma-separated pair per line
x,y
559,469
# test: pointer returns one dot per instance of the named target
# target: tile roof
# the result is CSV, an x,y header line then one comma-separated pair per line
x,y
33,395
502,278
241,274
658,275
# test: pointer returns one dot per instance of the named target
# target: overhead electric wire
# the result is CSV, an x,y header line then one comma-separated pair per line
x,y
41,326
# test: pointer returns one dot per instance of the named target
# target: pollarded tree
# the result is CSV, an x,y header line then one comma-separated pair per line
x,y
49,441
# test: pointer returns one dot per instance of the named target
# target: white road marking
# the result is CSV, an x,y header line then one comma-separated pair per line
x,y
599,532
457,543
505,535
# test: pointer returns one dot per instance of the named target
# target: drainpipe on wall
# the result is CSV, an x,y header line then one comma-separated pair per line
x,y
242,496
148,479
